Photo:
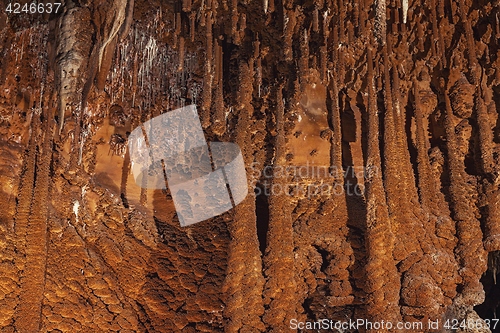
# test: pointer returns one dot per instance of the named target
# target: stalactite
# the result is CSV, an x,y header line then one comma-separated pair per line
x,y
135,69
258,65
401,135
442,46
218,62
315,20
380,27
219,122
404,209
290,20
339,51
335,120
362,18
334,225
468,227
394,17
350,33
203,13
214,5
497,26
405,11
427,185
280,294
129,17
420,34
323,62
475,72
404,47
335,47
26,189
208,76
381,268
440,9
439,229
219,118
242,27
303,62
485,135
244,283
29,309
192,25
178,24
324,48
379,86
181,49
72,59
435,49
398,181
119,14
178,28
356,17
393,183
270,6
186,6
342,18
490,185
234,20
22,213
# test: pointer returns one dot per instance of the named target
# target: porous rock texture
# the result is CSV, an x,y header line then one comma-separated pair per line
x,y
397,99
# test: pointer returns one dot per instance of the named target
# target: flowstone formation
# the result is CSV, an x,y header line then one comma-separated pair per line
x,y
370,134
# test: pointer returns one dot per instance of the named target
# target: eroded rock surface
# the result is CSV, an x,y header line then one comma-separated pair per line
x,y
371,135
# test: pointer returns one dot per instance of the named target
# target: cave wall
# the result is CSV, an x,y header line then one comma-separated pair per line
x,y
397,99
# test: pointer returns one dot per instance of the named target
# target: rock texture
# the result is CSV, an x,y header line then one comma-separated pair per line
x,y
388,108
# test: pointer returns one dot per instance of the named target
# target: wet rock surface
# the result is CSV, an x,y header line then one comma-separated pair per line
x,y
369,130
